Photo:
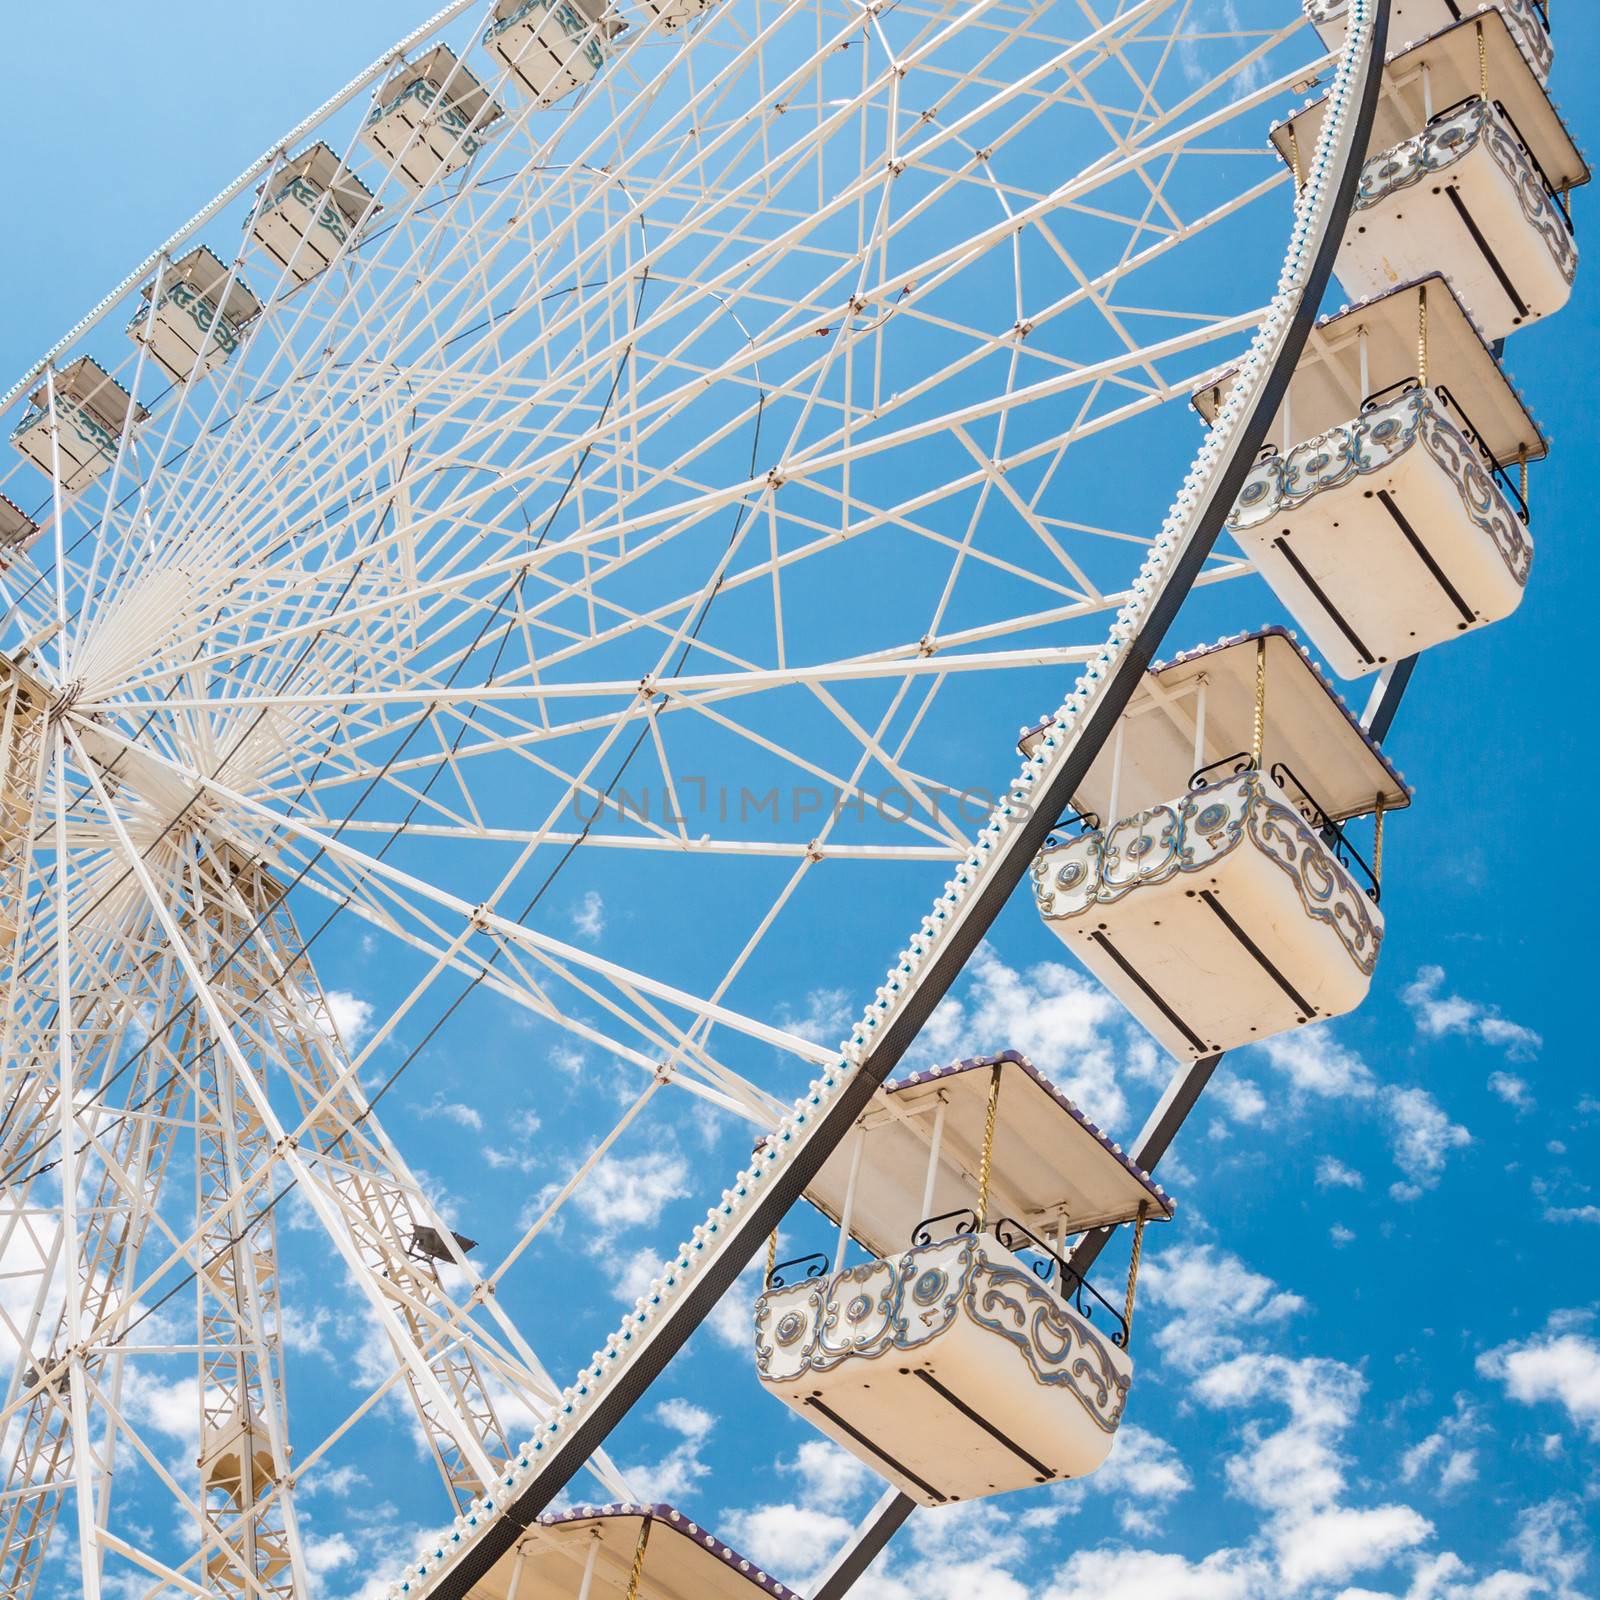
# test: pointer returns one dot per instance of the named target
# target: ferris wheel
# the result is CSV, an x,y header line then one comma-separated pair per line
x,y
651,456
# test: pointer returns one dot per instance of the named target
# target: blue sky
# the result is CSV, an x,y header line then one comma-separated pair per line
x,y
1369,1360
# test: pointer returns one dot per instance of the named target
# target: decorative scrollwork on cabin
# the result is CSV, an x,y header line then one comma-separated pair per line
x,y
1446,141
529,19
1327,892
1485,501
1374,442
889,1308
1097,869
321,210
1541,211
1060,1348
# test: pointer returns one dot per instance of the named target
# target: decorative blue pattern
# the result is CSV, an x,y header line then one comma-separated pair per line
x,y
1192,835
1373,443
904,1304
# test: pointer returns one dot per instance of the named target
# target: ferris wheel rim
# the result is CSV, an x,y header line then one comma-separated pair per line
x,y
619,1374
1104,607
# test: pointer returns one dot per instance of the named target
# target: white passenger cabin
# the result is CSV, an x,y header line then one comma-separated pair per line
x,y
965,1357
312,210
1470,170
673,14
429,118
1213,889
550,47
24,710
17,530
236,1470
1421,19
1390,513
588,1552
191,324
92,410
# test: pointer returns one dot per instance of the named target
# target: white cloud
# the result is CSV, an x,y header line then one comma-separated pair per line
x,y
636,1274
670,1478
1297,1468
589,915
1512,1089
1240,1098
681,1468
793,1542
824,1018
632,1191
1330,1546
1192,1282
467,1116
1334,1174
1572,1214
1341,1235
307,1334
1550,1540
1143,1475
334,1480
732,1319
1559,1367
1064,1022
1315,1063
1421,1134
1149,1575
172,1408
1439,1014
352,1016
829,1477
1446,1456
684,1417
328,1553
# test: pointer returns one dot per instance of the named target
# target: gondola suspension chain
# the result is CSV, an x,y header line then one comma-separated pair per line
x,y
637,1574
1133,1280
986,1160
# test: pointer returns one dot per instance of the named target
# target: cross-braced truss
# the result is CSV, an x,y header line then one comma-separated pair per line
x,y
680,502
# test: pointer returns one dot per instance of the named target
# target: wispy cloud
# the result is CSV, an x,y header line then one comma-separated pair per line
x,y
589,915
1439,1014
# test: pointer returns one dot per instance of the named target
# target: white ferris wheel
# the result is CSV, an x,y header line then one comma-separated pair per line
x,y
664,449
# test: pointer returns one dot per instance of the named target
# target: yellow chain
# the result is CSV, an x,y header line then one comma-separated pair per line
x,y
1294,158
1377,843
1133,1275
1422,337
772,1254
986,1160
1483,64
638,1560
1522,466
1258,735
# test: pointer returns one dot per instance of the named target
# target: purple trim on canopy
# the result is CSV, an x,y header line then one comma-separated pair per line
x,y
672,1518
1016,1058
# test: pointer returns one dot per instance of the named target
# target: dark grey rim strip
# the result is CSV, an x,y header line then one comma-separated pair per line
x,y
749,1233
